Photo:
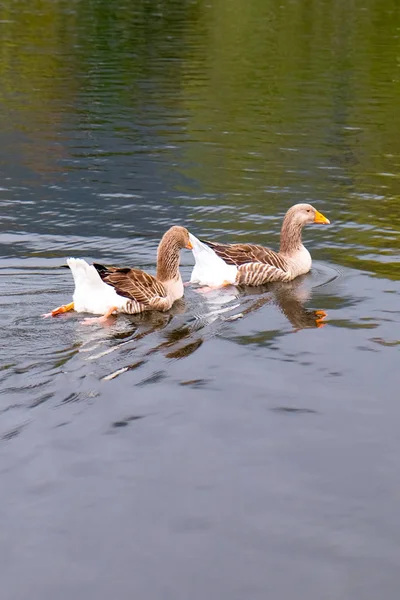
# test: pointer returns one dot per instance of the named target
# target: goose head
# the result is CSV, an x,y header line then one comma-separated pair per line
x,y
304,214
296,217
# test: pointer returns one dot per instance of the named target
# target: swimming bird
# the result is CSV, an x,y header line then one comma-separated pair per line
x,y
220,264
106,290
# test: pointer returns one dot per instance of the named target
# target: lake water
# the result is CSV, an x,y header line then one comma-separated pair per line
x,y
230,448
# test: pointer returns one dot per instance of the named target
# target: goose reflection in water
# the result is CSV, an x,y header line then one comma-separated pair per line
x,y
290,298
200,316
126,331
292,306
213,309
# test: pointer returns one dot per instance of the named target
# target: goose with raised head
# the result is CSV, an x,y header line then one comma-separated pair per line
x,y
220,264
104,290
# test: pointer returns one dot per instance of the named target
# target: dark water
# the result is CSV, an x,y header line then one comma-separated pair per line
x,y
230,448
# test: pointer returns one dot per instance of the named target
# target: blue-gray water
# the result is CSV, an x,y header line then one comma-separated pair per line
x,y
229,449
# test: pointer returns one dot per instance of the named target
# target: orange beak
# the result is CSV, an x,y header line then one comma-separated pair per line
x,y
189,246
320,316
319,218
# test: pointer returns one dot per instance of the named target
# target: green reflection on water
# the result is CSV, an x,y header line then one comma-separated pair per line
x,y
269,102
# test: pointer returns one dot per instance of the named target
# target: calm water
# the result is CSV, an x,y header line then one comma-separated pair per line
x,y
229,449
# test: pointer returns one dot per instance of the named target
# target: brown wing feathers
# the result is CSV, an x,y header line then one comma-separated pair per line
x,y
240,254
132,283
255,273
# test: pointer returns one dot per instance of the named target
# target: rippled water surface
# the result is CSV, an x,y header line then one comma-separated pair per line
x,y
232,447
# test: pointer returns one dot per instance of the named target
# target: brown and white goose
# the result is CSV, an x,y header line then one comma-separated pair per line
x,y
249,264
104,290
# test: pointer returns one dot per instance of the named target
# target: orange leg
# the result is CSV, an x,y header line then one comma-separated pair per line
x,y
102,319
211,288
61,309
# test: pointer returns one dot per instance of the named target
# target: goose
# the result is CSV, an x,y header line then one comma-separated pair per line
x,y
105,290
218,264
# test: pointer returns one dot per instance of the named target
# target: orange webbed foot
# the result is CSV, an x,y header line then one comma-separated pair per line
x,y
103,320
60,310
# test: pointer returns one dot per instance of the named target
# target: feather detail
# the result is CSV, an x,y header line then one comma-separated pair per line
x,y
240,254
133,284
91,294
210,269
254,273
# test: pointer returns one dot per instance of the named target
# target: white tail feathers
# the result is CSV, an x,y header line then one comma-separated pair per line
x,y
91,294
84,274
210,269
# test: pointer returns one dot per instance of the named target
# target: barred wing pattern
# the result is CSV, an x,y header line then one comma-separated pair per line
x,y
240,254
138,286
256,273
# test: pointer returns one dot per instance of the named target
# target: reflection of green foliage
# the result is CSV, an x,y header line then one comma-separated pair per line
x,y
277,102
36,38
35,62
301,100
